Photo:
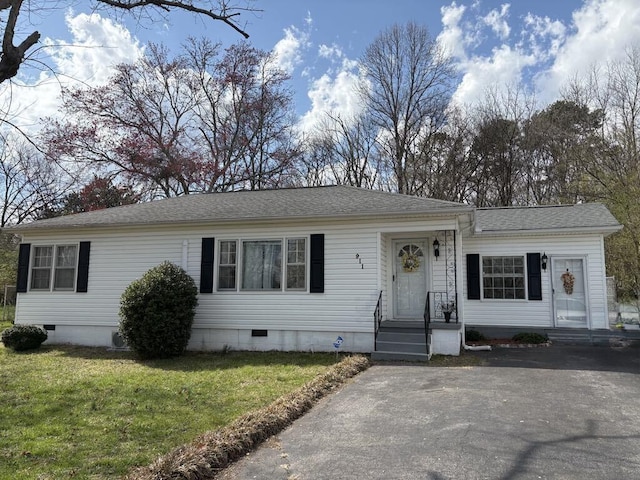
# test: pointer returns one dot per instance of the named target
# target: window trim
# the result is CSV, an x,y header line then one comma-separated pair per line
x,y
305,264
53,268
524,288
219,264
240,241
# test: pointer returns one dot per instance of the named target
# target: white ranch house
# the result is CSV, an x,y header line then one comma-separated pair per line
x,y
294,269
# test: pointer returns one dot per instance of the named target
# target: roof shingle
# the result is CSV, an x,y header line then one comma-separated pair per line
x,y
314,202
547,217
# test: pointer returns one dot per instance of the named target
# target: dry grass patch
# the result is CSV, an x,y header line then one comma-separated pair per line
x,y
215,450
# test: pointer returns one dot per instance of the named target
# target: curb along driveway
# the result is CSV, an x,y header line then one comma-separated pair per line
x,y
563,412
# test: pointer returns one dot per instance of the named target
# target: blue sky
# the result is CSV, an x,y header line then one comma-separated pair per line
x,y
318,42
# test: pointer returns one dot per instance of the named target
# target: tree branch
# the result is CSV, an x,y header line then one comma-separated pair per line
x,y
167,5
11,57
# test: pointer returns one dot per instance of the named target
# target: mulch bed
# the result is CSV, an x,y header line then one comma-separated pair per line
x,y
508,343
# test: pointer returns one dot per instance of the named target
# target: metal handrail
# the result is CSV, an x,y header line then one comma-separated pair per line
x,y
440,298
377,319
427,321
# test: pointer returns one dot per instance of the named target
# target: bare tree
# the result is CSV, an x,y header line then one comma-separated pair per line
x,y
245,116
615,171
201,122
12,56
407,87
351,149
29,184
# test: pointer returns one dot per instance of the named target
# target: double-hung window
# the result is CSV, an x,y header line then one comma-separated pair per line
x,y
503,277
227,266
54,266
296,263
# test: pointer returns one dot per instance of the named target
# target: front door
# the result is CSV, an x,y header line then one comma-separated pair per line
x,y
410,278
570,304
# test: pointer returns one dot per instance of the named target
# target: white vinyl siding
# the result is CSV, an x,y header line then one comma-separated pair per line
x,y
539,314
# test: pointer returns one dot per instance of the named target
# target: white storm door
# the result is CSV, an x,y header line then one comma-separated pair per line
x,y
410,278
570,303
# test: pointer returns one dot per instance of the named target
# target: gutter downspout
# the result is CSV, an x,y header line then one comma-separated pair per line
x,y
474,348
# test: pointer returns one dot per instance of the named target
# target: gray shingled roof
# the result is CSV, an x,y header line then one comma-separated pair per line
x,y
295,203
586,216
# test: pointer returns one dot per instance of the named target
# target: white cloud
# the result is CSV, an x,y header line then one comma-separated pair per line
x,y
544,36
501,69
97,44
452,38
330,52
497,21
288,51
333,92
601,31
557,51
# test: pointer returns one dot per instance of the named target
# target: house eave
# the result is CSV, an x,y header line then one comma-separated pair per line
x,y
604,230
435,213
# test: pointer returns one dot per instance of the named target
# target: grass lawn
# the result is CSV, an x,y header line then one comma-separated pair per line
x,y
87,413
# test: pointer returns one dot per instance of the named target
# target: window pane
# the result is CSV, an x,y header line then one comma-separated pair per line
x,y
42,257
40,279
64,278
66,256
295,277
228,253
227,278
65,267
262,265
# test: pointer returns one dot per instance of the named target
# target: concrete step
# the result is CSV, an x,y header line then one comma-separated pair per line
x,y
401,347
388,336
395,356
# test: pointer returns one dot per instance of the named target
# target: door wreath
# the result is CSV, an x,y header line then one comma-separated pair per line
x,y
567,281
410,262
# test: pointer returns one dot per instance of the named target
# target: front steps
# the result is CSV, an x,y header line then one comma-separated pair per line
x,y
403,341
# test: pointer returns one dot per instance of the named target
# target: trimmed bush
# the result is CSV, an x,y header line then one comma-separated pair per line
x,y
530,337
474,336
24,337
157,310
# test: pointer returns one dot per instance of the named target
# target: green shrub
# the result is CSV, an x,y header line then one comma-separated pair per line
x,y
157,310
530,337
474,336
23,337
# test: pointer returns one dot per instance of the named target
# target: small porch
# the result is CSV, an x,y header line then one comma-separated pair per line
x,y
439,332
418,313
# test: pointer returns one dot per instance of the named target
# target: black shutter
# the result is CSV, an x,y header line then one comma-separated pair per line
x,y
23,267
83,267
473,276
317,263
206,265
534,276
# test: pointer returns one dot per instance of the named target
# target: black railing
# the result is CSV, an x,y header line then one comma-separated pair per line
x,y
377,319
445,306
427,320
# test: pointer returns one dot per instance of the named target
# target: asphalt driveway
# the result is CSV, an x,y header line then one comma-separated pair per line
x,y
562,412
